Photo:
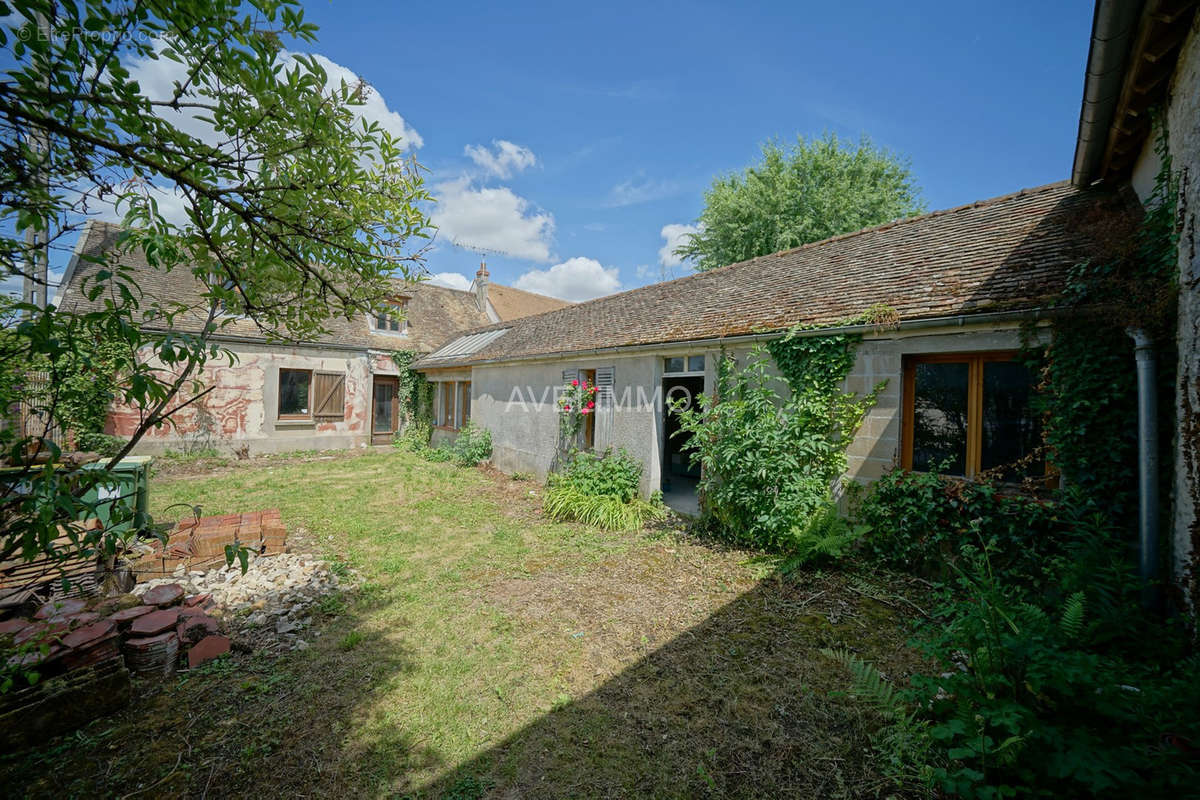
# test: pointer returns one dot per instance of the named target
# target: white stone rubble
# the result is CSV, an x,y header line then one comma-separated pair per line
x,y
269,606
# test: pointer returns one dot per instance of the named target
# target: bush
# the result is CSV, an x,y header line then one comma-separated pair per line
x,y
415,438
768,465
107,446
1037,700
824,536
472,445
601,490
616,474
920,523
441,453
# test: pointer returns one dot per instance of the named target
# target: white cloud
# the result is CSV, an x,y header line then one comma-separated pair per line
x,y
575,279
639,190
157,77
506,159
674,235
492,219
451,280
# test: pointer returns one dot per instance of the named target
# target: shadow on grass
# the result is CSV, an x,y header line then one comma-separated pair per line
x,y
742,705
245,725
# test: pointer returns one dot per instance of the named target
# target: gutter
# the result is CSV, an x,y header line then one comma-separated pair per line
x,y
959,321
1113,29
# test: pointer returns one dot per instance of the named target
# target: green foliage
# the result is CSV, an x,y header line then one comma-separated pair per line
x,y
443,452
295,211
617,474
769,464
472,446
415,393
522,476
825,536
600,490
817,189
107,446
415,437
567,502
1088,391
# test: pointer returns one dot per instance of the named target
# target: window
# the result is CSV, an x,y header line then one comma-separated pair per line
x,y
969,413
684,365
588,377
395,318
294,385
464,403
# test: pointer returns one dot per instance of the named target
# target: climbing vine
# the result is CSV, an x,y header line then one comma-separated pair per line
x,y
416,393
1088,388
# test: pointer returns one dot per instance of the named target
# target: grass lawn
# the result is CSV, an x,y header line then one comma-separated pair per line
x,y
490,652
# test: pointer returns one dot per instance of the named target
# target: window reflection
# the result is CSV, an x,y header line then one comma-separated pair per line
x,y
940,417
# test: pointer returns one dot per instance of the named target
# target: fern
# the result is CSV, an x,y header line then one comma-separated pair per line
x,y
824,536
869,683
1073,616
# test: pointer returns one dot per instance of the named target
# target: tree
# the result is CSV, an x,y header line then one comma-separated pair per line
x,y
254,171
818,189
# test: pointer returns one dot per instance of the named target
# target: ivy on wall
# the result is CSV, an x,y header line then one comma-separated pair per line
x,y
416,393
1088,390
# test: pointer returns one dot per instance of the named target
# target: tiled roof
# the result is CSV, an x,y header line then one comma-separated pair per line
x,y
1009,253
511,303
435,313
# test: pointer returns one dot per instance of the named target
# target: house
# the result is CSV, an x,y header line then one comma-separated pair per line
x,y
1143,64
961,284
338,391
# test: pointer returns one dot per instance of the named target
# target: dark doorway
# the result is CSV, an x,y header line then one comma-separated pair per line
x,y
385,408
679,476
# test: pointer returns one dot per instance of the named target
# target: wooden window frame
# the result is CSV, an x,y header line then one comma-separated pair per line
x,y
447,418
974,362
462,403
306,417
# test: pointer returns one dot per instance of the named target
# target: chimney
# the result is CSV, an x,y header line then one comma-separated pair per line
x,y
481,284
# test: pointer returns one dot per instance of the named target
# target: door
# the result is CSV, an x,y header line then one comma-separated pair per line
x,y
385,408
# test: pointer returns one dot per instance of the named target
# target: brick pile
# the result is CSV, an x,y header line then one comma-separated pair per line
x,y
199,544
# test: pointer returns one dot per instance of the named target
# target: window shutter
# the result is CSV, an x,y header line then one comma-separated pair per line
x,y
605,407
570,375
329,393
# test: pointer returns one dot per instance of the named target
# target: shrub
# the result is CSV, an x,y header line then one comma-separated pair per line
x,y
768,464
472,445
601,490
415,437
920,522
107,446
616,474
522,476
438,454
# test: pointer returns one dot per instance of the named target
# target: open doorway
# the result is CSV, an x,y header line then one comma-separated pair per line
x,y
679,477
385,408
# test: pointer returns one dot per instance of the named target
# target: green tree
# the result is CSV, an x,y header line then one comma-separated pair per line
x,y
817,189
289,206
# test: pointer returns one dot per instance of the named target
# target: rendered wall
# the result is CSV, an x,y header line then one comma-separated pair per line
x,y
242,409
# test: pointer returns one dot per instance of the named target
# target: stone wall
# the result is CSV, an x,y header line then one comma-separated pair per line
x,y
243,407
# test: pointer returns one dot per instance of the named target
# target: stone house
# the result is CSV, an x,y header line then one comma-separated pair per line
x,y
960,284
338,391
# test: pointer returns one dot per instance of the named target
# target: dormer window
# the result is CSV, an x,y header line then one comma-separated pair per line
x,y
394,319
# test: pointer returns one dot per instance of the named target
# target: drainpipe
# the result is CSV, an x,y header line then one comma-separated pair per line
x,y
1148,510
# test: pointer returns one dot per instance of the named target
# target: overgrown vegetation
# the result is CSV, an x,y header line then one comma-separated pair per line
x,y
1052,679
601,490
472,445
769,463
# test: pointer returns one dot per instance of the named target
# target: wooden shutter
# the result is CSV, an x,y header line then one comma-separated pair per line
x,y
605,407
570,375
329,395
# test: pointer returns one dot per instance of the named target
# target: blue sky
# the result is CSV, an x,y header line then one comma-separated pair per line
x,y
572,136
630,109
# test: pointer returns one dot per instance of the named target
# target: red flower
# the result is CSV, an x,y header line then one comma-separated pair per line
x,y
586,411
566,408
575,382
591,404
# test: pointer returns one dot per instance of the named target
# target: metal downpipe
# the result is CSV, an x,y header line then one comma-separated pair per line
x,y
1148,511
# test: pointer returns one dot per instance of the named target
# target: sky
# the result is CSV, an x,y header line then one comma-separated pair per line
x,y
570,144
